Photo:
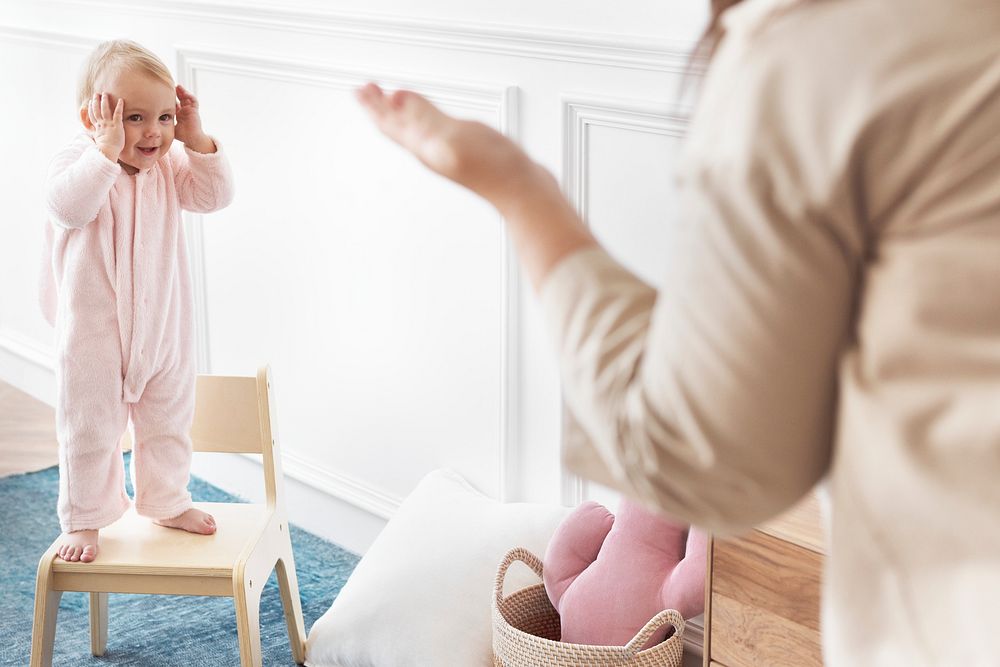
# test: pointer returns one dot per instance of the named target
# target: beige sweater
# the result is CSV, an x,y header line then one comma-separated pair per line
x,y
832,310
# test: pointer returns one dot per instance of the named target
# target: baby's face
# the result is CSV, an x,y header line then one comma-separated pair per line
x,y
148,115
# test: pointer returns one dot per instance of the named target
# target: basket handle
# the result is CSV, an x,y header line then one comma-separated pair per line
x,y
516,554
665,617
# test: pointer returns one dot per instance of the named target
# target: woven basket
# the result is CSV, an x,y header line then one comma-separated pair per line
x,y
526,631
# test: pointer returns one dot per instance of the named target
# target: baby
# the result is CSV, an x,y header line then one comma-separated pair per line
x,y
117,290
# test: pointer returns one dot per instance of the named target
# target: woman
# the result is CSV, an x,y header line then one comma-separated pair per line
x,y
832,311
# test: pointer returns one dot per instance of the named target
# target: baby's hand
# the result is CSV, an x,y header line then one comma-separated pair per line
x,y
109,132
188,128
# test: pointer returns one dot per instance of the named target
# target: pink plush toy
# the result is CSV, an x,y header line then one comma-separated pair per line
x,y
608,576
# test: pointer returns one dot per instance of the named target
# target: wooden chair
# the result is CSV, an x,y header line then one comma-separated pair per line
x,y
232,414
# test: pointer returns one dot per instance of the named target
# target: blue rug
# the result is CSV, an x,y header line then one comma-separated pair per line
x,y
146,630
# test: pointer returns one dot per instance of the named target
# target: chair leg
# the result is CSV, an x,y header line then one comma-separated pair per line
x,y
98,623
288,584
246,598
43,630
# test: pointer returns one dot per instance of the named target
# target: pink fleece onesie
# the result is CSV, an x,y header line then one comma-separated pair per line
x,y
117,290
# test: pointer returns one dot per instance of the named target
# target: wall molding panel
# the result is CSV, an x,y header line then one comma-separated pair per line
x,y
31,363
13,342
28,349
581,113
27,365
610,50
59,40
500,102
194,238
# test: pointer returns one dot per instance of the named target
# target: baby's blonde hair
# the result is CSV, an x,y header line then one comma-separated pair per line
x,y
116,56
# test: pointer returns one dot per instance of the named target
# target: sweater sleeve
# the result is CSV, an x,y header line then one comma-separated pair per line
x,y
79,180
204,180
714,398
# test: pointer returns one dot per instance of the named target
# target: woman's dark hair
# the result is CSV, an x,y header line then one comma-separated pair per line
x,y
705,48
713,32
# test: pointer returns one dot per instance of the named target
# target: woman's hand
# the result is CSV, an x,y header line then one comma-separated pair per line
x,y
106,124
542,224
467,152
188,129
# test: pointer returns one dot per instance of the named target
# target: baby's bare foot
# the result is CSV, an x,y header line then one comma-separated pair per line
x,y
193,521
79,545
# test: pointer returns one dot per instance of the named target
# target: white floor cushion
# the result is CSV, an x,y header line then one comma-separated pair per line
x,y
421,595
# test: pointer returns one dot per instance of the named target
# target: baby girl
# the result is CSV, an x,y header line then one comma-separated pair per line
x,y
117,290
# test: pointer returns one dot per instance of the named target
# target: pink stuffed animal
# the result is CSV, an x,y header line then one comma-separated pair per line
x,y
608,576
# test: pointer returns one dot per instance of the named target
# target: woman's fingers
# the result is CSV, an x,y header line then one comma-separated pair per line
x,y
468,152
371,98
412,121
382,111
400,115
400,98
383,106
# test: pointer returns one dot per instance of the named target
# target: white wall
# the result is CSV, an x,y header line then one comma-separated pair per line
x,y
385,299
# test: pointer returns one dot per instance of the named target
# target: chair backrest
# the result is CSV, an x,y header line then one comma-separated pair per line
x,y
231,414
236,415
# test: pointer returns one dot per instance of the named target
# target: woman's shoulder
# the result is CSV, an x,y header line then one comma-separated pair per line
x,y
847,91
864,39
833,67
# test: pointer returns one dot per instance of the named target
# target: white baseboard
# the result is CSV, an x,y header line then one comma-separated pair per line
x,y
694,636
318,512
353,492
27,365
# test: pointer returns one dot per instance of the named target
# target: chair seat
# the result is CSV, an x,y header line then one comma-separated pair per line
x,y
136,545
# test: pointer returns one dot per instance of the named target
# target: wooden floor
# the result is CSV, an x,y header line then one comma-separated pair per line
x,y
27,433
